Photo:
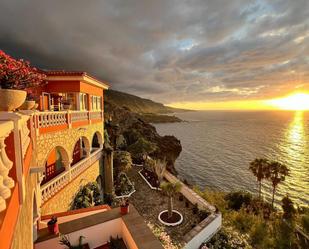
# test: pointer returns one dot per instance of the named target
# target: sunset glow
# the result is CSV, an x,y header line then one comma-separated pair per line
x,y
297,102
293,102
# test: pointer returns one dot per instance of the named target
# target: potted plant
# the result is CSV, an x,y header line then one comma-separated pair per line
x,y
53,225
124,206
64,240
67,104
29,103
15,77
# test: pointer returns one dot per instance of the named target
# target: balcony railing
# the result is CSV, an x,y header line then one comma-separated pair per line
x,y
50,188
6,182
46,121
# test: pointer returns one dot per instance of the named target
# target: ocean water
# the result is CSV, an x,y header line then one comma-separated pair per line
x,y
218,147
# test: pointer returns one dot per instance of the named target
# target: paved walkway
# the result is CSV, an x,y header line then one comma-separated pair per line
x,y
189,193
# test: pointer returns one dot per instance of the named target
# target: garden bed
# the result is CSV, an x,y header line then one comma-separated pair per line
x,y
124,188
150,178
150,203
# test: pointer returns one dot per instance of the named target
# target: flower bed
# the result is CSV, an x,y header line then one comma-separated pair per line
x,y
124,188
150,178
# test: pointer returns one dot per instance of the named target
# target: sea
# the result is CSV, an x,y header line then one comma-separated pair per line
x,y
218,146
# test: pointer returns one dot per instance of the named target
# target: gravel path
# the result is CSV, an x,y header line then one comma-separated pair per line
x,y
149,203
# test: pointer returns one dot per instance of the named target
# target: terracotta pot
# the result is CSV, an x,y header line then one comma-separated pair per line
x,y
28,105
53,228
124,209
35,106
11,99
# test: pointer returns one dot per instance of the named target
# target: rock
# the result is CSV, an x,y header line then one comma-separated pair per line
x,y
123,122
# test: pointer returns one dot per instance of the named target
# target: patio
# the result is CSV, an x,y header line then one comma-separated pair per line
x,y
149,203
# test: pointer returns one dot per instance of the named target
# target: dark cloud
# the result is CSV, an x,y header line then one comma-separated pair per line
x,y
167,50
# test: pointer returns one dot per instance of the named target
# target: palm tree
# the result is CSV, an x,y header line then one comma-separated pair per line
x,y
259,168
170,189
277,173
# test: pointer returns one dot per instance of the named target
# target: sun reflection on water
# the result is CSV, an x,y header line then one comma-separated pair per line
x,y
294,148
295,136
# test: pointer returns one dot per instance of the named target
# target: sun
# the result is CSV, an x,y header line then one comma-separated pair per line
x,y
295,102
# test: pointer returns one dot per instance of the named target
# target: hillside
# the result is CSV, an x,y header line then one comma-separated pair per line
x,y
137,104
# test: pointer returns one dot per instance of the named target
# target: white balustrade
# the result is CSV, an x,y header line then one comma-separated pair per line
x,y
24,132
96,115
79,116
46,119
6,182
50,188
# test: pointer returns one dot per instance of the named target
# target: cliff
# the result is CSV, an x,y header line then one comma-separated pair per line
x,y
127,129
137,104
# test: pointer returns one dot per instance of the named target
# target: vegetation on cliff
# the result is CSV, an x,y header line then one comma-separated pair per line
x,y
127,131
136,104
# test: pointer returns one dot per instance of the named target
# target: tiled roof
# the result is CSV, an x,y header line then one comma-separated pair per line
x,y
70,73
63,73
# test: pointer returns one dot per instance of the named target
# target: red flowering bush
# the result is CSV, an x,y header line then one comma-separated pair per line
x,y
18,74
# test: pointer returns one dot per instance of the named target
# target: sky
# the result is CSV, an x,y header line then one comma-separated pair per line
x,y
197,54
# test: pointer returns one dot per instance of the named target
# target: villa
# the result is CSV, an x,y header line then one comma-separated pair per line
x,y
46,155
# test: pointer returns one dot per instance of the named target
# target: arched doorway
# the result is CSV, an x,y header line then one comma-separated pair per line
x,y
81,150
56,163
97,141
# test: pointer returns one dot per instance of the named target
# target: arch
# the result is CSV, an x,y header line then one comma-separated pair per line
x,y
56,162
97,140
80,150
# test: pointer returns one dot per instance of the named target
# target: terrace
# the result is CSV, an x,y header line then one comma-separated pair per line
x,y
196,226
98,226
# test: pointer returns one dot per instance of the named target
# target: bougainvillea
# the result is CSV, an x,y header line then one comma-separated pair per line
x,y
18,74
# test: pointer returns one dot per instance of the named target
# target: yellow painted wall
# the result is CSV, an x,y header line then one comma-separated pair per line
x,y
23,238
61,202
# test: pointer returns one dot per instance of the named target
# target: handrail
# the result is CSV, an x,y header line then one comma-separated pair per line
x,y
51,187
55,118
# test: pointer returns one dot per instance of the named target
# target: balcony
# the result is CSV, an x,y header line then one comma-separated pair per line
x,y
60,120
53,186
97,228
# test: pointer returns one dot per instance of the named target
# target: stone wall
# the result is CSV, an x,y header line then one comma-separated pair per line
x,y
66,139
23,235
61,202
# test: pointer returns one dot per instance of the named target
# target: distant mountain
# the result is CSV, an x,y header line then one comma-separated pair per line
x,y
137,104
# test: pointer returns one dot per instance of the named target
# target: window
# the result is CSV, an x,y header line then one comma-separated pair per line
x,y
96,103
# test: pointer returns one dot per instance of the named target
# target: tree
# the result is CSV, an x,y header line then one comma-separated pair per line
x,y
170,189
276,174
141,147
288,207
160,168
259,168
122,162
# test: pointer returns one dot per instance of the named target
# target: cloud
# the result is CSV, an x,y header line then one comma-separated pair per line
x,y
168,50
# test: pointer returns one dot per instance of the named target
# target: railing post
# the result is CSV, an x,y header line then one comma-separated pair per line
x,y
16,118
69,119
89,117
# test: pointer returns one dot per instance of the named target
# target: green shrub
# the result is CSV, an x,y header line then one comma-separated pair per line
x,y
87,196
305,222
236,200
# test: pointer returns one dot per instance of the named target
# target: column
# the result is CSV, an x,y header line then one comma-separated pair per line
x,y
108,171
